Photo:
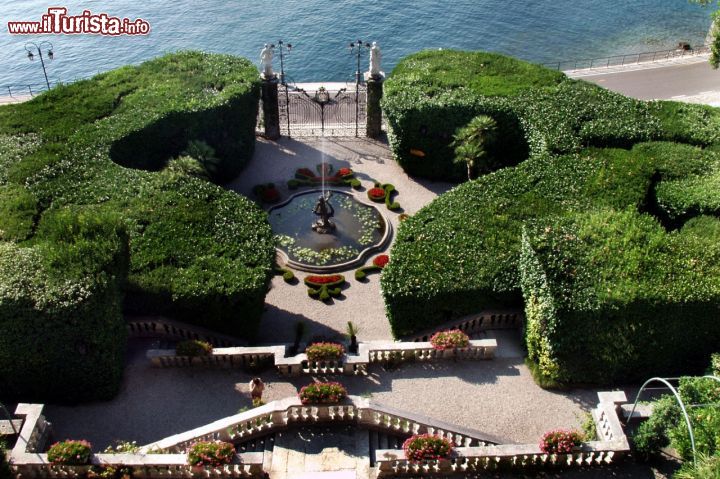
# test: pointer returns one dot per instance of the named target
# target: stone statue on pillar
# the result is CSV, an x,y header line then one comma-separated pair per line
x,y
266,57
375,60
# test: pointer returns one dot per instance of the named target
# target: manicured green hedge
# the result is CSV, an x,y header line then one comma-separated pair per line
x,y
18,212
559,144
460,254
611,296
60,308
197,252
433,93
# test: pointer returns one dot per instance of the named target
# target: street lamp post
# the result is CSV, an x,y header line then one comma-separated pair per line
x,y
31,56
357,48
281,46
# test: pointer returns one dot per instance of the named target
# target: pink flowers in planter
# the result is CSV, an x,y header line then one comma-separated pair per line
x,y
560,441
322,393
211,453
424,447
70,452
324,351
451,339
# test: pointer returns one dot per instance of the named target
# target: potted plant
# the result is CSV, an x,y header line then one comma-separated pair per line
x,y
322,393
451,339
560,441
427,447
210,453
324,351
70,452
352,332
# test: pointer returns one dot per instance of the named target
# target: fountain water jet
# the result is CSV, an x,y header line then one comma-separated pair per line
x,y
323,208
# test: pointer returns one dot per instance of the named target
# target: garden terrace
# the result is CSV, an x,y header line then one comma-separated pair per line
x,y
196,252
368,352
461,253
474,450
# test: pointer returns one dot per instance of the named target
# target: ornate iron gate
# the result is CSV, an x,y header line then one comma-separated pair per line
x,y
336,112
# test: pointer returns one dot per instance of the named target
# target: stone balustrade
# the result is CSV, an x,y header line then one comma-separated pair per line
x,y
158,326
474,452
150,466
475,323
279,415
612,445
368,352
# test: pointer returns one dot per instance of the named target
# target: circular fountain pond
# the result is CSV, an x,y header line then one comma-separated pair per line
x,y
360,229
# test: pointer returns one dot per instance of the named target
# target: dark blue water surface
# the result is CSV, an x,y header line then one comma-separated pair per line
x,y
539,31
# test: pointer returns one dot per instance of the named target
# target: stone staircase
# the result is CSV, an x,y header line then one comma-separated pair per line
x,y
338,452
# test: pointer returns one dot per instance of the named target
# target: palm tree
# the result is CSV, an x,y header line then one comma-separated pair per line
x,y
471,141
203,153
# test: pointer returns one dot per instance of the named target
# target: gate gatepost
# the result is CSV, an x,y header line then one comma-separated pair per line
x,y
271,112
374,113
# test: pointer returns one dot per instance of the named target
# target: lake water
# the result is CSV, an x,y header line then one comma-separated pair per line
x,y
320,31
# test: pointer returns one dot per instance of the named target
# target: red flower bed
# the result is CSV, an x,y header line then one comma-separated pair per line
x,y
424,447
344,172
381,260
560,441
376,193
324,279
270,195
305,172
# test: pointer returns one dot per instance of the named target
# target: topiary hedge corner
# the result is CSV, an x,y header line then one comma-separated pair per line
x,y
60,309
196,252
461,254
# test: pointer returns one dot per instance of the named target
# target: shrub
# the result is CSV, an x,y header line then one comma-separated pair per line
x,y
704,467
70,452
193,348
666,426
198,252
60,308
322,393
376,194
324,351
322,287
715,364
5,472
186,165
560,441
449,340
211,453
378,264
381,260
600,286
427,447
18,213
267,193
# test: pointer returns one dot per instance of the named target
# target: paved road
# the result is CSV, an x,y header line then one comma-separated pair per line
x,y
662,82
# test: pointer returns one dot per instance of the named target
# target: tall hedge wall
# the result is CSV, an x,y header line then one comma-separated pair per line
x,y
430,94
60,308
610,296
196,251
587,150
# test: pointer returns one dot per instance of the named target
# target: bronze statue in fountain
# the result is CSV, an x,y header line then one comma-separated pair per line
x,y
325,211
